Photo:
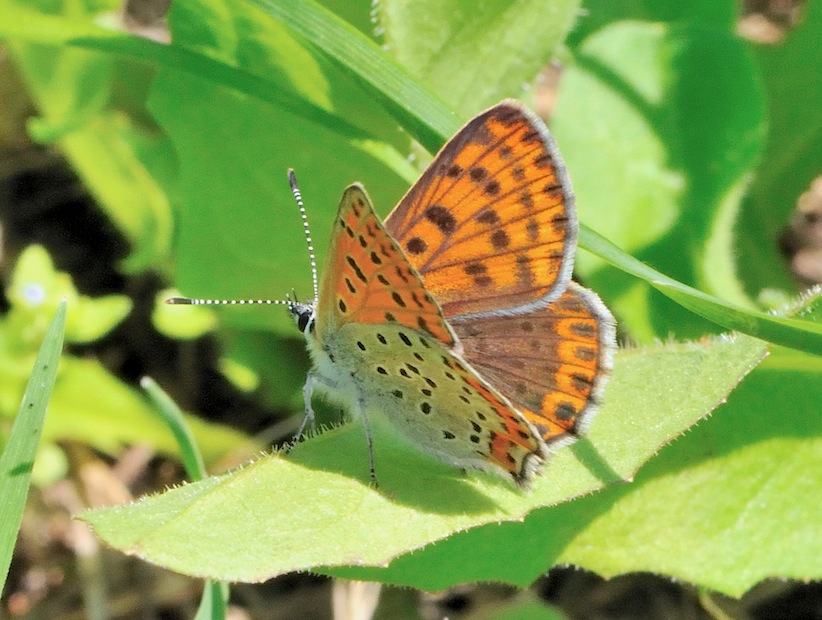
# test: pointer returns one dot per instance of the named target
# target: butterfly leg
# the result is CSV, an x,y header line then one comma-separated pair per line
x,y
309,418
368,439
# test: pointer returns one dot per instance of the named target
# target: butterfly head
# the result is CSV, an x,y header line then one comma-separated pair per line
x,y
304,316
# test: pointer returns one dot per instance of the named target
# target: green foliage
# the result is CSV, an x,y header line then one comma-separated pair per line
x,y
664,116
729,504
116,415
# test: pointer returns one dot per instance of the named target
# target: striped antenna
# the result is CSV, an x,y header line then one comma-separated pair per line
x,y
295,190
188,301
292,181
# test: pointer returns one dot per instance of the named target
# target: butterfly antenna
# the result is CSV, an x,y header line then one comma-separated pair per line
x,y
189,301
292,181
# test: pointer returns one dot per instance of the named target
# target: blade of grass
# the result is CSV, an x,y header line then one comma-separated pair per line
x,y
417,109
171,414
214,602
793,333
18,457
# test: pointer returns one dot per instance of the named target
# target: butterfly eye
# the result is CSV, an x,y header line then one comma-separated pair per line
x,y
303,315
305,318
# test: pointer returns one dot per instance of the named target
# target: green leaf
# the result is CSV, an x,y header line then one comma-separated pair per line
x,y
732,502
228,528
18,455
240,234
499,47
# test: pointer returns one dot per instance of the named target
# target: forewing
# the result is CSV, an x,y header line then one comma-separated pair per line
x,y
491,224
368,279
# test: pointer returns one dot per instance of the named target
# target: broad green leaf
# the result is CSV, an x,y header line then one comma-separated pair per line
x,y
17,458
732,502
228,527
240,234
498,47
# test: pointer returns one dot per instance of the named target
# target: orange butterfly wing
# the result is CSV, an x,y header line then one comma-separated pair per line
x,y
502,167
367,278
491,227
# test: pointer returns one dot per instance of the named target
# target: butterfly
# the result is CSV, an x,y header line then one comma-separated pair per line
x,y
456,319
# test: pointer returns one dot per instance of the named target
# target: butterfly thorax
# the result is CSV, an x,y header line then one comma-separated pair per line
x,y
328,354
